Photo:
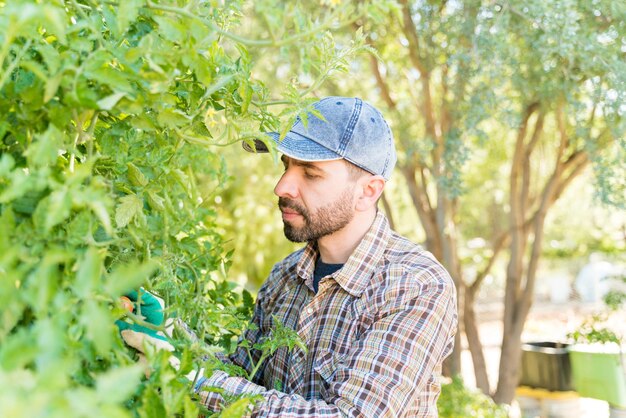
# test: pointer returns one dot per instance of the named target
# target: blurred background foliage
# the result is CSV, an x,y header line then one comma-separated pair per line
x,y
504,115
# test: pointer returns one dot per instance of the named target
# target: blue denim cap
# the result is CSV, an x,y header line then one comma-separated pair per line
x,y
353,130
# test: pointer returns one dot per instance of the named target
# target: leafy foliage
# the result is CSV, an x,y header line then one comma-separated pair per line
x,y
456,400
112,118
598,328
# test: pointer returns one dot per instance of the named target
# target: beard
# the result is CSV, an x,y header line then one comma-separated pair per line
x,y
325,221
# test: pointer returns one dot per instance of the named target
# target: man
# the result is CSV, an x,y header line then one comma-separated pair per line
x,y
377,313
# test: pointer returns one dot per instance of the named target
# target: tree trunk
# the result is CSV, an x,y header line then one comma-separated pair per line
x,y
473,340
510,358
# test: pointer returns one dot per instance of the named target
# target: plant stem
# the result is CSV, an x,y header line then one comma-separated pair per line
x,y
256,42
257,366
137,320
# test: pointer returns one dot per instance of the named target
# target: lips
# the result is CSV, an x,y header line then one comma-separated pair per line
x,y
287,211
289,214
291,210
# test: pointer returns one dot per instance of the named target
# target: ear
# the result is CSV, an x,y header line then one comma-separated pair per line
x,y
370,188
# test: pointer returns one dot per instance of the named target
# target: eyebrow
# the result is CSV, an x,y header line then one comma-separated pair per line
x,y
305,164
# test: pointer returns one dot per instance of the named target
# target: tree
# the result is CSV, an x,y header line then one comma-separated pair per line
x,y
460,79
113,115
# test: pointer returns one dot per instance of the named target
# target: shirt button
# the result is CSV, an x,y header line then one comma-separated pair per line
x,y
309,310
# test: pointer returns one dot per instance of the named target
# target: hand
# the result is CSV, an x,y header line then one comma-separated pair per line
x,y
140,341
151,309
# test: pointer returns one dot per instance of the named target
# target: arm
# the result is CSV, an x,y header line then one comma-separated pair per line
x,y
390,364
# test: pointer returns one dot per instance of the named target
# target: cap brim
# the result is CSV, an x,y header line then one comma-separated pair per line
x,y
295,146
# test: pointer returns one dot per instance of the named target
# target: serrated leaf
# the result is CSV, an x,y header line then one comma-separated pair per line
x,y
130,206
171,29
52,85
191,409
117,385
128,277
153,404
59,206
127,13
44,150
236,409
248,300
182,179
99,209
172,118
155,201
89,272
57,22
136,177
98,324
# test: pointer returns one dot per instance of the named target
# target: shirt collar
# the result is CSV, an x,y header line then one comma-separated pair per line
x,y
354,276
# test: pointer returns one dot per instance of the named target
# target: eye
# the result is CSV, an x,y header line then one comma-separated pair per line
x,y
309,175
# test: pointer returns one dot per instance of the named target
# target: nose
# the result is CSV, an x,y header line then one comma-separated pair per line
x,y
286,186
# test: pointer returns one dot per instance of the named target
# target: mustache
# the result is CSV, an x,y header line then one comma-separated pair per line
x,y
286,203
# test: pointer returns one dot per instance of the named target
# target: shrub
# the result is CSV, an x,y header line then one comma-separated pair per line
x,y
111,115
456,400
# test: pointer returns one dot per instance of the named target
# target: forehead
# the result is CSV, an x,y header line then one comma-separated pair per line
x,y
325,166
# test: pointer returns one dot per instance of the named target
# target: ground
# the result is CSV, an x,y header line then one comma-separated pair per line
x,y
547,322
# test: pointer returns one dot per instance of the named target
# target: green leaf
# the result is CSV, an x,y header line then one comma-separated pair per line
x,y
7,226
171,29
56,21
127,13
135,175
89,272
107,103
153,404
18,350
155,201
98,324
99,209
130,206
52,86
191,409
117,385
7,162
44,150
128,277
58,210
182,179
43,283
237,409
172,118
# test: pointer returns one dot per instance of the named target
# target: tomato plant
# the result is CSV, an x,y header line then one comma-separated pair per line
x,y
112,118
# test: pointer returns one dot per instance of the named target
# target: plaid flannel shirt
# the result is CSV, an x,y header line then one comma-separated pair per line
x,y
377,332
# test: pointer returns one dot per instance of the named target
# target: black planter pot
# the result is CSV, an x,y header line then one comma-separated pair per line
x,y
546,365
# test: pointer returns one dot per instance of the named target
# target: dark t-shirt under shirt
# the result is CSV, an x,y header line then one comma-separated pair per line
x,y
322,270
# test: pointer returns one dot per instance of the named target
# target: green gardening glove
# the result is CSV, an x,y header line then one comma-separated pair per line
x,y
151,311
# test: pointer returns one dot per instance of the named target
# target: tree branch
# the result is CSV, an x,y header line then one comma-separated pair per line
x,y
498,245
515,266
425,213
414,56
388,211
526,170
381,83
411,34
